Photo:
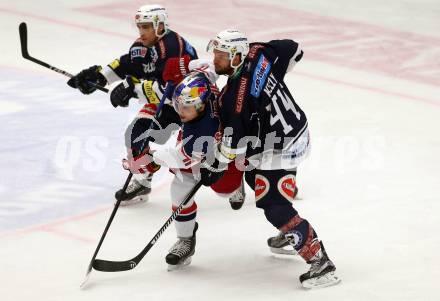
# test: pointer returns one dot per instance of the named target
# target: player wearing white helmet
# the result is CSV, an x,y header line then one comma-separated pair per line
x,y
230,44
256,105
152,17
151,60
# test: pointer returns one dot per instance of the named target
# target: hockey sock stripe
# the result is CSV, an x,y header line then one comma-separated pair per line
x,y
185,211
292,223
186,218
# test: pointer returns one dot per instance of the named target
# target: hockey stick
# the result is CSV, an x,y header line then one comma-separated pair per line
x,y
118,266
22,28
167,91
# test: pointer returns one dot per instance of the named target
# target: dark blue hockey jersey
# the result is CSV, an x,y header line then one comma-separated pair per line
x,y
257,103
196,139
199,136
148,62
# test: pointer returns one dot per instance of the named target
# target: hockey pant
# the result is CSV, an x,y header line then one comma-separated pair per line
x,y
182,185
230,182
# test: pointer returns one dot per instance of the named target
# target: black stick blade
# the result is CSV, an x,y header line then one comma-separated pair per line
x,y
113,266
22,28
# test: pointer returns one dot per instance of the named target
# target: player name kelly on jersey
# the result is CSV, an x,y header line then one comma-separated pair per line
x,y
256,102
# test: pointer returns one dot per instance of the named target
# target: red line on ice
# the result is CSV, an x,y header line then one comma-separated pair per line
x,y
51,226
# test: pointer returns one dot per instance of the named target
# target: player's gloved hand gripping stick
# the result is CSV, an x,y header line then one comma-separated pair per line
x,y
95,263
25,53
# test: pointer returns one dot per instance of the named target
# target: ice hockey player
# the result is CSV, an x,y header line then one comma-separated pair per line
x,y
256,106
195,101
145,60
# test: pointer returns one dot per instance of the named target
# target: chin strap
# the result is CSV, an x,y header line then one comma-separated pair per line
x,y
160,36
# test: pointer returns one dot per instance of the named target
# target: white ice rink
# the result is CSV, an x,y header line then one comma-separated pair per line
x,y
369,83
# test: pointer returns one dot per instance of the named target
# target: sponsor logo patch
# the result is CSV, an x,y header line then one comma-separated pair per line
x,y
237,40
138,52
163,51
295,238
149,92
253,51
148,68
244,81
286,186
261,187
260,75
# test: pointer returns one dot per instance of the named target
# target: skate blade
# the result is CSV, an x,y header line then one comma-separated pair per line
x,y
283,251
326,280
175,267
134,201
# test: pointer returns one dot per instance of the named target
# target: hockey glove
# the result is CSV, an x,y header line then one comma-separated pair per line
x,y
141,164
84,80
122,93
176,68
150,90
211,173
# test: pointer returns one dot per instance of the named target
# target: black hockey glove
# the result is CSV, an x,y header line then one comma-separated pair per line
x,y
83,80
122,93
211,173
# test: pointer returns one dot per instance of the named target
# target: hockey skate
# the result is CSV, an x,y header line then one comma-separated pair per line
x,y
237,198
181,252
321,272
137,191
280,245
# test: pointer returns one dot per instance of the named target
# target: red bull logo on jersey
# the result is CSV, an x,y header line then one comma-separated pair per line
x,y
260,74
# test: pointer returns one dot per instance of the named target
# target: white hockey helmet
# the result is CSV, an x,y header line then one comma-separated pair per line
x,y
231,41
153,13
